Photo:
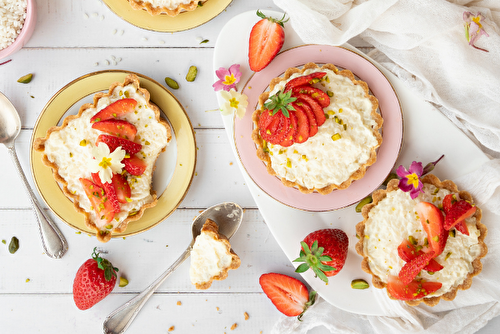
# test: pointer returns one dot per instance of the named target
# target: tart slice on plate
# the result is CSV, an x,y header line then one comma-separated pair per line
x,y
423,249
103,158
317,128
169,7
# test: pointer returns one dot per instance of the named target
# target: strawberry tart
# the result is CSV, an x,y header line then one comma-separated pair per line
x,y
423,249
317,128
211,256
169,7
103,158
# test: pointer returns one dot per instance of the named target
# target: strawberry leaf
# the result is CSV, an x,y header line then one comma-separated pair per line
x,y
281,102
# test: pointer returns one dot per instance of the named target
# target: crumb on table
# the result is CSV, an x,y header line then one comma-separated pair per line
x,y
179,303
246,316
171,328
233,327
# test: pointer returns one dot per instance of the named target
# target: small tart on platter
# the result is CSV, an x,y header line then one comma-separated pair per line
x,y
398,231
103,158
211,257
169,7
317,128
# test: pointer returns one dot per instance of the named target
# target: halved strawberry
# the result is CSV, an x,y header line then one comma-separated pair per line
x,y
411,291
321,97
266,39
433,223
411,269
304,80
277,129
116,127
302,125
115,109
316,108
313,124
97,196
134,165
115,142
289,295
407,252
110,191
288,140
459,211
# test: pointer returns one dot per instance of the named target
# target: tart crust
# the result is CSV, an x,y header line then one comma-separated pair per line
x,y
212,229
142,5
265,157
476,264
39,145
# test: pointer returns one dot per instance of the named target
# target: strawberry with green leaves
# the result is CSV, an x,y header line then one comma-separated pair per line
x,y
289,295
94,280
266,39
325,252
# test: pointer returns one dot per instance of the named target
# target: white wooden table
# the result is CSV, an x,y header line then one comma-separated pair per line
x,y
35,291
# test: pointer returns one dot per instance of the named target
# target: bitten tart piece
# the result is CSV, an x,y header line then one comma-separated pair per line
x,y
211,256
423,249
169,7
317,128
104,157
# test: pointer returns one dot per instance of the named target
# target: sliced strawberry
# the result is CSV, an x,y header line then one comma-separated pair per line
x,y
321,97
433,223
459,211
304,80
134,165
313,124
407,252
97,179
277,128
289,295
288,140
302,125
115,142
316,108
114,110
462,227
411,269
97,196
411,291
266,39
117,127
122,188
110,191
448,202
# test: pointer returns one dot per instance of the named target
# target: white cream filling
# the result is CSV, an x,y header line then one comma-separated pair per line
x,y
209,258
65,150
394,219
321,161
170,4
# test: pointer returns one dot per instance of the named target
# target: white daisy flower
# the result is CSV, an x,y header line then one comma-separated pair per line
x,y
105,163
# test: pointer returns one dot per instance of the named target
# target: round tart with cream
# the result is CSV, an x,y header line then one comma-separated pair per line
x,y
169,7
317,128
104,157
422,249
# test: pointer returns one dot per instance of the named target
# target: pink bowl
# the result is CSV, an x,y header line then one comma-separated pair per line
x,y
26,31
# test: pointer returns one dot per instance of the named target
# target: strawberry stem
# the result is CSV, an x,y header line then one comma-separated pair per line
x,y
313,258
281,21
109,270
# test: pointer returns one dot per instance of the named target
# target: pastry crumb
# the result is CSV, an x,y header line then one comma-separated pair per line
x,y
171,328
246,316
217,308
230,164
233,327
179,303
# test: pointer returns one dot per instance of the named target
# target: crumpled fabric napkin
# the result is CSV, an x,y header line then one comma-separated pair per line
x,y
423,43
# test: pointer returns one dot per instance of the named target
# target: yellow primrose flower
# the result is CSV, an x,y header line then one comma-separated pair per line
x,y
234,102
106,163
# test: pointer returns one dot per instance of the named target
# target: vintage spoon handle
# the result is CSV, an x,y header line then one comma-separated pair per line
x,y
53,242
121,318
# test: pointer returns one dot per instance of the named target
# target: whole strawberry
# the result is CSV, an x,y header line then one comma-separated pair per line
x,y
325,252
94,280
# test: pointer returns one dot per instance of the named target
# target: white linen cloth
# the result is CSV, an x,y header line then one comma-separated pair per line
x,y
423,43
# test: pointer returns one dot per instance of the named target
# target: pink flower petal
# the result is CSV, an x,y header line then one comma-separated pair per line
x,y
401,171
416,167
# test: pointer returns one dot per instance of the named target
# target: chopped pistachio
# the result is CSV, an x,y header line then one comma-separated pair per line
x,y
288,163
447,256
83,142
452,233
204,41
127,94
25,78
412,240
359,284
13,245
330,93
123,282
171,83
192,72
336,136
363,202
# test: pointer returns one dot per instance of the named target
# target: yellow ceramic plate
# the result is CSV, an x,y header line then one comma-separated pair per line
x,y
165,23
175,166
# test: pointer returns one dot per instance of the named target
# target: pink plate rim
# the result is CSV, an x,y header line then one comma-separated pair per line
x,y
389,107
26,31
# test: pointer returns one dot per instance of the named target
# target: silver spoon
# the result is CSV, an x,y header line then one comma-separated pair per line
x,y
53,241
227,215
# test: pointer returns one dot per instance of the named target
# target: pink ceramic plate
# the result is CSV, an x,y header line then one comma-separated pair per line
x,y
388,152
